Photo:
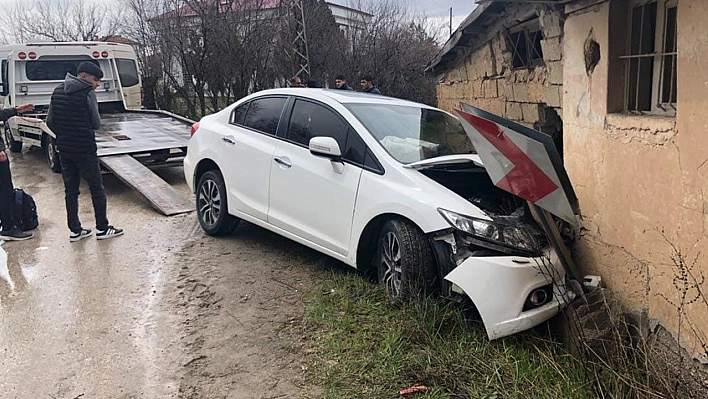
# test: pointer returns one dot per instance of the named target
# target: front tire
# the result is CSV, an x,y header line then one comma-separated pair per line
x,y
212,205
13,145
404,261
50,151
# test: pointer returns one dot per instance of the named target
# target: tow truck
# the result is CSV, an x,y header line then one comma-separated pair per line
x,y
131,141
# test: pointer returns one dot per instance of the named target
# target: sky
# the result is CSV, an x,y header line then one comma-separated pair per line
x,y
436,10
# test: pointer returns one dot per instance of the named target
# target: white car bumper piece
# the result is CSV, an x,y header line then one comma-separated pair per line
x,y
499,287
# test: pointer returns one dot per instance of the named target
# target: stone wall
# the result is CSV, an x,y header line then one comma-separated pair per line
x,y
485,77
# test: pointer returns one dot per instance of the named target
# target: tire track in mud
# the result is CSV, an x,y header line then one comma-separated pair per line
x,y
239,299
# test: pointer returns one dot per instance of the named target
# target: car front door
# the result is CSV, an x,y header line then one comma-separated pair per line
x,y
247,147
310,196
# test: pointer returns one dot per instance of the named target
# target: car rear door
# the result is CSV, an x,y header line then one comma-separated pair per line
x,y
310,196
247,147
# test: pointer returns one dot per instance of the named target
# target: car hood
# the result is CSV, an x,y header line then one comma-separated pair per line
x,y
445,160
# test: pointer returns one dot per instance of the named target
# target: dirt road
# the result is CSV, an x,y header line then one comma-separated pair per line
x,y
161,312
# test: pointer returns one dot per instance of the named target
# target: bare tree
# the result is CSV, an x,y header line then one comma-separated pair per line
x,y
206,53
60,20
394,48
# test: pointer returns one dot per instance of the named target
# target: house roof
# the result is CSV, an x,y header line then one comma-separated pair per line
x,y
118,39
473,26
224,6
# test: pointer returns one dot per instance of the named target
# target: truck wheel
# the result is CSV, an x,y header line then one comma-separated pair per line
x,y
14,146
50,150
212,205
160,156
404,261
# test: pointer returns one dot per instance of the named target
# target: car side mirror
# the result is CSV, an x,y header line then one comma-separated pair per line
x,y
326,147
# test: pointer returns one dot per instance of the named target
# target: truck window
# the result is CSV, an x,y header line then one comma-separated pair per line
x,y
52,70
128,72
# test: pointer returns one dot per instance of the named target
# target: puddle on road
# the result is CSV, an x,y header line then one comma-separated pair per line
x,y
4,271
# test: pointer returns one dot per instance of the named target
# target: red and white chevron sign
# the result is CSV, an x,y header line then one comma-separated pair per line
x,y
518,163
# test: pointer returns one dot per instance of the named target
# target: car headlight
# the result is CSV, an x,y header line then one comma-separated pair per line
x,y
507,235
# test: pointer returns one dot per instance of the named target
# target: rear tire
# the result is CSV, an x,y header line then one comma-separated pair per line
x,y
13,145
404,261
50,151
212,205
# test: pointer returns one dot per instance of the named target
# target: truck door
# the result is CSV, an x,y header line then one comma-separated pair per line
x,y
5,81
129,81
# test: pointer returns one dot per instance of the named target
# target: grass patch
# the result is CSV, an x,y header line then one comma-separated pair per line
x,y
362,348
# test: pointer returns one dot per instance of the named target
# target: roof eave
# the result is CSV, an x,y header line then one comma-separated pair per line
x,y
455,38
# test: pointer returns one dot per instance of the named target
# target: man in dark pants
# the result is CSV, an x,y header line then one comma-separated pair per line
x,y
10,231
73,117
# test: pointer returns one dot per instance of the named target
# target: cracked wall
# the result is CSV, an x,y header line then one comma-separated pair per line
x,y
485,79
642,181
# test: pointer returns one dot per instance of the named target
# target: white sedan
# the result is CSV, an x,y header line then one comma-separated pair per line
x,y
384,185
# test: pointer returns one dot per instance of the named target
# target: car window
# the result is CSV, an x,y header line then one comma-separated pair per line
x,y
310,120
355,150
239,114
411,133
264,114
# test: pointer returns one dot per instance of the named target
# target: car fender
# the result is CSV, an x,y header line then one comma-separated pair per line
x,y
409,194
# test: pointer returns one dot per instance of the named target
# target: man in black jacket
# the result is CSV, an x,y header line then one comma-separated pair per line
x,y
10,231
367,85
340,82
73,117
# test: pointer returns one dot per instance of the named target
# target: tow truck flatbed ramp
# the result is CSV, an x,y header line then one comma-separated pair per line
x,y
160,194
143,131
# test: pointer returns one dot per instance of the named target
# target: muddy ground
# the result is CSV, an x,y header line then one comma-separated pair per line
x,y
162,312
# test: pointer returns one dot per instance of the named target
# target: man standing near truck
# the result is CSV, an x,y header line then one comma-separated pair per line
x,y
10,231
73,117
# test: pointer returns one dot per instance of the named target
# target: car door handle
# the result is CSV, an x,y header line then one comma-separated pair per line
x,y
283,162
227,140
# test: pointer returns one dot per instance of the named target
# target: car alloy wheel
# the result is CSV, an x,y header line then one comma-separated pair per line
x,y
391,264
404,261
211,203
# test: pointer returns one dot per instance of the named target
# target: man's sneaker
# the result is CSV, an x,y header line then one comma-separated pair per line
x,y
108,233
15,235
84,233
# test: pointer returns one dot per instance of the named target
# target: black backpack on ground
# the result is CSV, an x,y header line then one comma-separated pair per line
x,y
25,210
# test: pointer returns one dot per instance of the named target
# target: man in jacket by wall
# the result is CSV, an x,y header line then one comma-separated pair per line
x,y
10,231
73,117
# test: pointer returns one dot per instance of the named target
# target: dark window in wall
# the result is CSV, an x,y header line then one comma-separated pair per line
x,y
651,61
525,45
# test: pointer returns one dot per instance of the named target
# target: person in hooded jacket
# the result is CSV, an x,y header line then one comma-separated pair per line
x,y
74,118
10,231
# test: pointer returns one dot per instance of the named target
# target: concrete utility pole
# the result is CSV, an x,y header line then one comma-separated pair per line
x,y
450,21
297,51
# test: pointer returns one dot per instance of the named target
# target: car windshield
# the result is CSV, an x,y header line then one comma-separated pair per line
x,y
412,134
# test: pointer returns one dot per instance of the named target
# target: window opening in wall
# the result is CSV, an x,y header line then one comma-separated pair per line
x,y
525,45
651,62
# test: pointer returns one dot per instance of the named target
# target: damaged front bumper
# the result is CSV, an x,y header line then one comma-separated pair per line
x,y
512,293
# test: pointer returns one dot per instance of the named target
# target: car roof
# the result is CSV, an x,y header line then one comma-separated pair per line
x,y
342,96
